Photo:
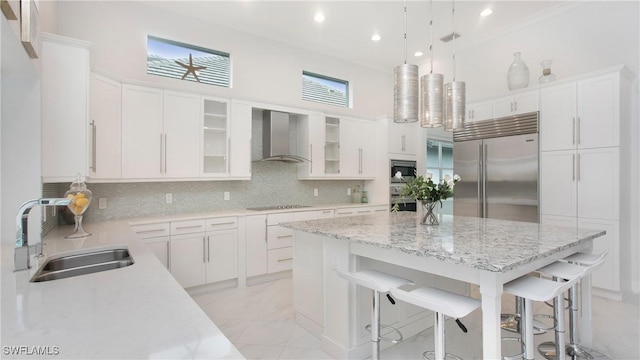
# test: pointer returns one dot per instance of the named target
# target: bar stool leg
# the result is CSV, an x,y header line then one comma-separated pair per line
x,y
439,335
573,349
375,326
558,305
527,333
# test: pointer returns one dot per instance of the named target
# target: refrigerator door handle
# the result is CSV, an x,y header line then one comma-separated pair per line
x,y
485,152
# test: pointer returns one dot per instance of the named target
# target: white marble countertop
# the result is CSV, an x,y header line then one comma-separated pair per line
x,y
136,312
485,244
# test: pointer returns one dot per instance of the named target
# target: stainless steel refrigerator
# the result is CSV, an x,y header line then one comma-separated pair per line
x,y
498,162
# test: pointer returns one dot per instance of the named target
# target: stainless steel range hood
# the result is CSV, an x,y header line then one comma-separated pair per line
x,y
275,138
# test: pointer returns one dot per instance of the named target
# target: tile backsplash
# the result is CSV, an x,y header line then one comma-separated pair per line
x,y
272,183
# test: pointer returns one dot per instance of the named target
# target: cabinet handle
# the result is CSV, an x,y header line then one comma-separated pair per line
x,y
473,114
361,164
148,231
403,143
161,145
284,236
511,106
310,158
265,230
168,255
224,223
204,260
209,249
515,106
287,259
578,132
187,227
229,155
578,167
573,135
573,166
165,153
94,131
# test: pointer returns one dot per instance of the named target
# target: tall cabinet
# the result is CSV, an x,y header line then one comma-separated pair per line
x,y
585,166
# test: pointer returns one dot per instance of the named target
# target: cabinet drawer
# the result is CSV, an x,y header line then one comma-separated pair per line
x,y
354,211
222,223
151,230
187,227
279,237
279,259
275,219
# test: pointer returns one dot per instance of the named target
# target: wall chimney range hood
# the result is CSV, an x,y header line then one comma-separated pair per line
x,y
275,138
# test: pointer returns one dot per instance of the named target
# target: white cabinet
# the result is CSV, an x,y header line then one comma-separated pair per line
x,y
584,169
520,103
403,138
156,237
215,137
200,257
65,108
581,114
106,129
478,111
279,243
333,128
142,132
180,130
240,140
357,149
311,145
256,240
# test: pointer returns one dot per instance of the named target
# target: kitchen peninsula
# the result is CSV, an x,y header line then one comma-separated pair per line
x,y
469,250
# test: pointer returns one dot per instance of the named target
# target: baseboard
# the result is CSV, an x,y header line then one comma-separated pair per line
x,y
268,277
308,324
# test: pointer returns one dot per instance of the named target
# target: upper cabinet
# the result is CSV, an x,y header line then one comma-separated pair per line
x,y
65,108
240,141
336,147
581,114
519,103
478,111
105,160
403,138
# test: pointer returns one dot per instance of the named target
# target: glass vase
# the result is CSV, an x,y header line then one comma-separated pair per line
x,y
547,76
428,215
518,73
81,199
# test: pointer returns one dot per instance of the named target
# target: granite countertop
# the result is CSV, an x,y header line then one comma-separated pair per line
x,y
136,312
485,244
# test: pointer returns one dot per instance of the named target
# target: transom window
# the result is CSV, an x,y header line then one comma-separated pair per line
x,y
325,89
176,60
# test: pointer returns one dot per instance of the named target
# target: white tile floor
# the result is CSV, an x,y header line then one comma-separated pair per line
x,y
260,321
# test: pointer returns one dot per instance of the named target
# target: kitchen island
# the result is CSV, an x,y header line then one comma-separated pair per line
x,y
484,252
134,312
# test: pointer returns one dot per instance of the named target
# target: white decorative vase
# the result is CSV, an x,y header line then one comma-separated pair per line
x,y
518,74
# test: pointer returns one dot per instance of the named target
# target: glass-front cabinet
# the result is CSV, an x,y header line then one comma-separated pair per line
x,y
332,146
215,133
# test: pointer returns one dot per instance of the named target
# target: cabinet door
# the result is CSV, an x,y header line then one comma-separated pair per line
x,y
503,106
350,149
479,111
256,233
526,102
608,276
599,112
181,134
558,117
106,128
65,110
598,183
160,247
240,140
142,132
403,138
316,144
222,255
558,189
367,151
188,259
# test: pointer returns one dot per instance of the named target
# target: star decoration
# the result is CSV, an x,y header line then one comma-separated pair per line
x,y
190,68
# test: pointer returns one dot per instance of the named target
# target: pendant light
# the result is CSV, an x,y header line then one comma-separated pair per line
x,y
454,92
431,106
405,90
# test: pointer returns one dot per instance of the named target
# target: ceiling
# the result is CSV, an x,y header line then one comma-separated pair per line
x,y
348,26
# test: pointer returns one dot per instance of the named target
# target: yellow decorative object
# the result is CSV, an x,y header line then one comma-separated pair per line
x,y
81,199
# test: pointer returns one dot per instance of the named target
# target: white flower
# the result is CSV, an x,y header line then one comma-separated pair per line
x,y
450,182
456,177
399,175
428,175
447,178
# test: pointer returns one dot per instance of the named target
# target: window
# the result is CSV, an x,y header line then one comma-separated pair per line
x,y
187,62
439,159
324,89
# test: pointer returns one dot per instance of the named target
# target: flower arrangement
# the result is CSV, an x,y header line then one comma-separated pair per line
x,y
422,188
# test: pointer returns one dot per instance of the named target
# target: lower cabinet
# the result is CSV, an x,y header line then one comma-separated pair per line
x,y
156,237
188,259
256,238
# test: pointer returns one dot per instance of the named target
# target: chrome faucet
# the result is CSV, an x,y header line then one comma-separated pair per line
x,y
21,258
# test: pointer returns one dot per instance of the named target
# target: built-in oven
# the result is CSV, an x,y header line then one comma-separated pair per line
x,y
404,203
405,167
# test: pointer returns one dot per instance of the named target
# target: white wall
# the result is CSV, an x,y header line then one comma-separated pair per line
x,y
587,36
20,134
263,70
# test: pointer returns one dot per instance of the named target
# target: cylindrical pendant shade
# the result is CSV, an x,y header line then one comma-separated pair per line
x,y
432,104
405,93
454,94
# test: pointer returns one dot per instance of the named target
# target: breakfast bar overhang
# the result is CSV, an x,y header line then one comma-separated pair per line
x,y
484,252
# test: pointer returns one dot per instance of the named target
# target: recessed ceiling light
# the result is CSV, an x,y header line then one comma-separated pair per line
x,y
376,37
319,17
418,53
486,12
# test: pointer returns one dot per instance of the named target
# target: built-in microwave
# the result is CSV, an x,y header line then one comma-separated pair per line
x,y
406,167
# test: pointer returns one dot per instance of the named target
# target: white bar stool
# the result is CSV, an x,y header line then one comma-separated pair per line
x,y
441,303
379,282
530,289
589,263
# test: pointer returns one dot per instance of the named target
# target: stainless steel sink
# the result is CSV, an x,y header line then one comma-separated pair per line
x,y
85,263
